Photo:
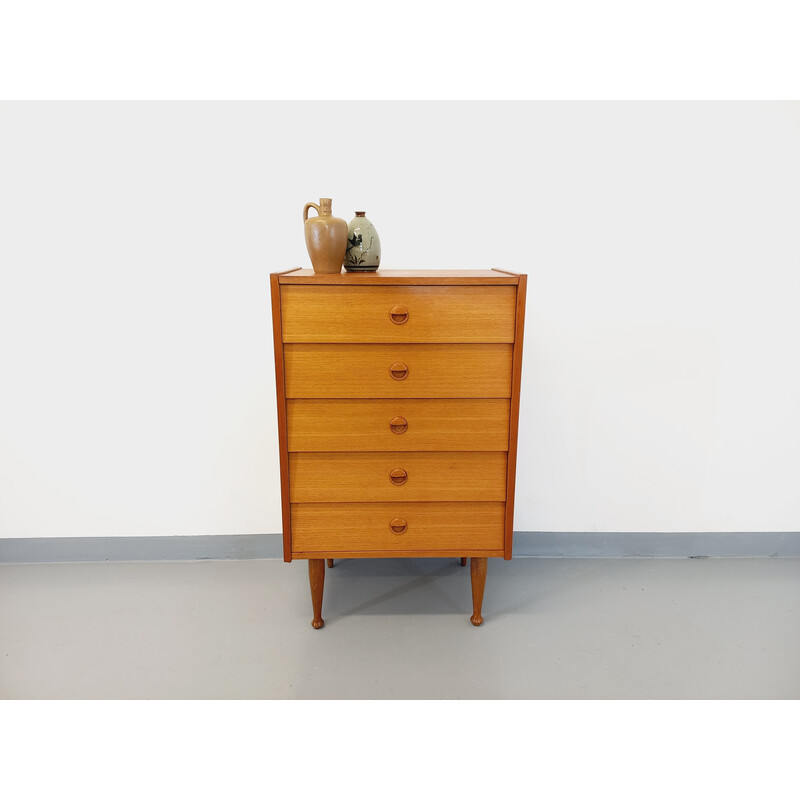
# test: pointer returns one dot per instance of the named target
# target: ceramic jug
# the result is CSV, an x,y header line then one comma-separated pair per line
x,y
326,237
363,245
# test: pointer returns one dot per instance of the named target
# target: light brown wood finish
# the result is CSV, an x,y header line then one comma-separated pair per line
x,y
402,277
458,314
477,569
514,417
367,477
363,425
330,563
345,492
401,527
365,370
283,447
316,579
438,553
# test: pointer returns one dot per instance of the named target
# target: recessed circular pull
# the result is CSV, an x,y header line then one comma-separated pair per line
x,y
398,525
399,370
398,424
399,315
398,477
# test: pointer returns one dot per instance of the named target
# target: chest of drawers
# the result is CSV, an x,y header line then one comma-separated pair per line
x,y
398,405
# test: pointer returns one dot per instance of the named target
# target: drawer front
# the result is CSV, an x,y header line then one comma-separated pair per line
x,y
352,527
397,425
385,370
398,313
392,477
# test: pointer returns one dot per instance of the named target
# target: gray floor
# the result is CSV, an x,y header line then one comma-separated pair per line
x,y
555,628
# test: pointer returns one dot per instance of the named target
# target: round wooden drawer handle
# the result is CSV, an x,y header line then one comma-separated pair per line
x,y
398,424
399,370
399,315
398,526
398,477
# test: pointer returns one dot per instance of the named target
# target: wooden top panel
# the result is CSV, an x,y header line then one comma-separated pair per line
x,y
417,277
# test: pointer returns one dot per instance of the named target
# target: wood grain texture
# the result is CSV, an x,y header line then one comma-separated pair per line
x,y
341,527
316,580
451,553
283,447
366,477
341,314
477,569
439,353
372,370
513,430
363,425
400,277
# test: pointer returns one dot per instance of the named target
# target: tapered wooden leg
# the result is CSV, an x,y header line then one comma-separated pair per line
x,y
316,577
330,562
477,571
464,562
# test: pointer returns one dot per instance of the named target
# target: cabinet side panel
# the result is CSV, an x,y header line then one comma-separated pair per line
x,y
516,380
280,397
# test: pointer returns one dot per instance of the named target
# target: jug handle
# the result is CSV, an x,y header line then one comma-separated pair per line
x,y
305,210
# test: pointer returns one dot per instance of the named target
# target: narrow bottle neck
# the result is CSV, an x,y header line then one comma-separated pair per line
x,y
325,204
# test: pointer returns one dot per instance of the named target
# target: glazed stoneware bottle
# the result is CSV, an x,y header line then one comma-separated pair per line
x,y
326,237
363,245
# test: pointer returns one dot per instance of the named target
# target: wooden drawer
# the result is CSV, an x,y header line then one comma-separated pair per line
x,y
397,425
386,370
422,313
392,477
353,527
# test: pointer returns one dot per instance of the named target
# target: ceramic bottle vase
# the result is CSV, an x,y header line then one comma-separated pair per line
x,y
363,245
326,237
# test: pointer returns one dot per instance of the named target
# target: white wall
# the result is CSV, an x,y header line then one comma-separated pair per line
x,y
661,383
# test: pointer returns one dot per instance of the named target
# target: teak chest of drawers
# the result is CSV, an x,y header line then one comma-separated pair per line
x,y
398,403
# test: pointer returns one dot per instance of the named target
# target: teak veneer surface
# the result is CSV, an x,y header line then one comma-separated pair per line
x,y
398,408
364,370
364,425
320,527
367,477
280,391
435,313
398,277
513,431
430,553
